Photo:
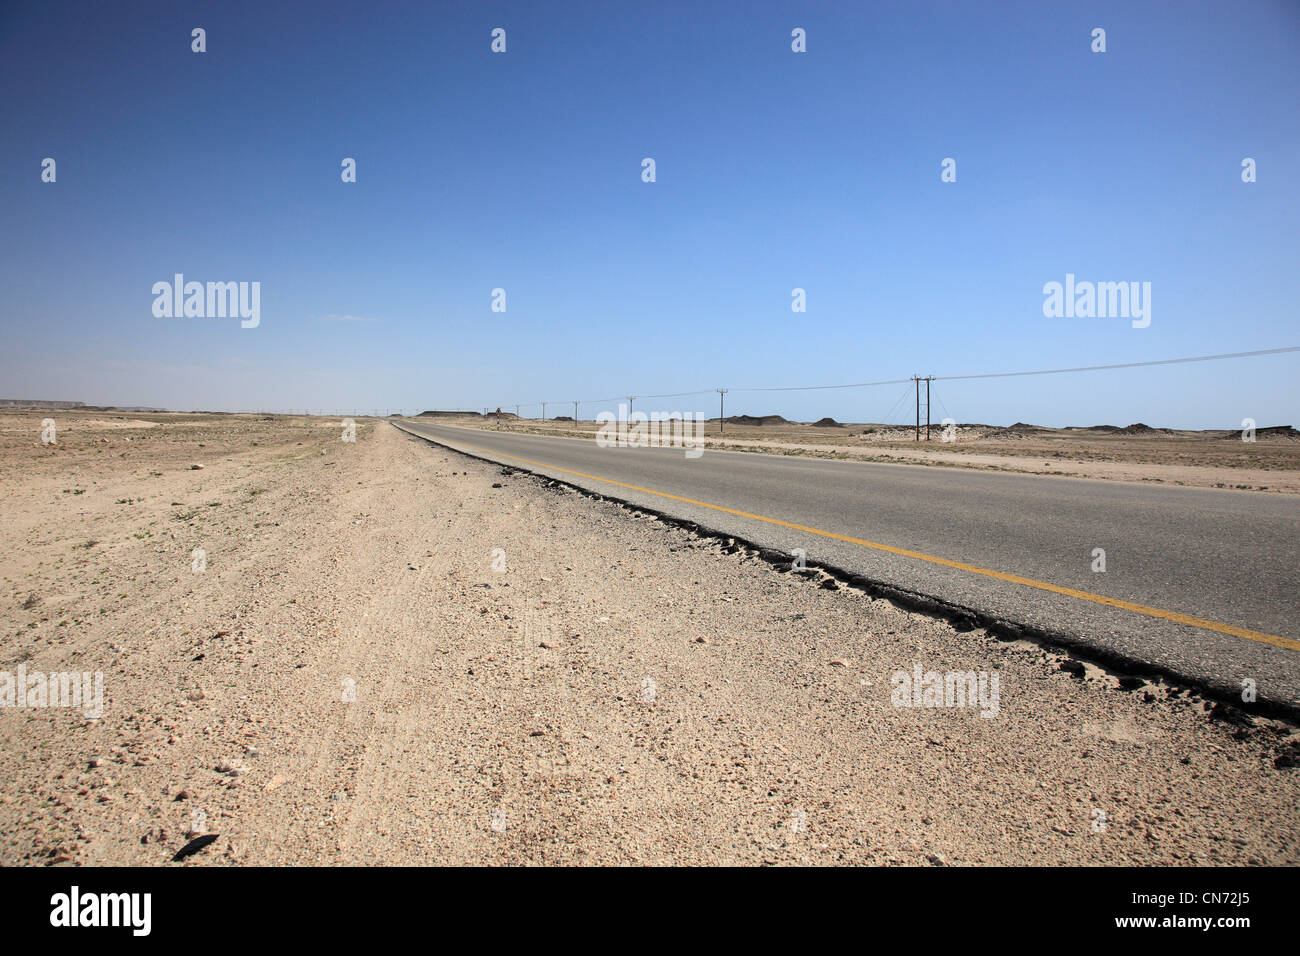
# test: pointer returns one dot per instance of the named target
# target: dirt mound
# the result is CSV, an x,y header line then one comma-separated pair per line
x,y
826,423
433,413
1140,429
1277,431
755,420
1018,430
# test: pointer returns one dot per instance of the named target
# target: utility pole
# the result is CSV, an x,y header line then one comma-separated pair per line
x,y
543,411
918,380
721,421
575,412
516,411
629,405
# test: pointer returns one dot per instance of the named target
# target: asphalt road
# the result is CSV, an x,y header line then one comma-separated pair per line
x,y
1226,559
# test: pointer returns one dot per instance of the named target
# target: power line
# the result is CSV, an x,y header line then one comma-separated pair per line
x,y
1095,368
954,378
889,416
814,388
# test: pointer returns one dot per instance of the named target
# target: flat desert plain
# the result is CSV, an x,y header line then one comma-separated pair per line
x,y
393,654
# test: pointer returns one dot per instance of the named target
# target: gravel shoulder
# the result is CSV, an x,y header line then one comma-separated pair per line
x,y
400,655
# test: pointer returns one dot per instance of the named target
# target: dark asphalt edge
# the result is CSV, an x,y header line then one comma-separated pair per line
x,y
1131,672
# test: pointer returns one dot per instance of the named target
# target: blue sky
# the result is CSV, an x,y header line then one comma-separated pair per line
x,y
775,170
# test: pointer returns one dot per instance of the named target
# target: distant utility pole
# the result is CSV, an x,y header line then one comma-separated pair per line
x,y
918,380
516,411
721,421
543,411
575,412
629,405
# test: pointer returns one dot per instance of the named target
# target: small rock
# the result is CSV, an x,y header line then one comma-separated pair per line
x,y
194,846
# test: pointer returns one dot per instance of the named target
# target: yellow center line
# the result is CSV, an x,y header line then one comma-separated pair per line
x,y
1136,608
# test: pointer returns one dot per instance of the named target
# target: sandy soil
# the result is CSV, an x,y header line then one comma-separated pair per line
x,y
1192,459
350,681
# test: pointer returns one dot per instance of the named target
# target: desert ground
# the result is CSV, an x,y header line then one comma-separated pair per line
x,y
1136,452
395,654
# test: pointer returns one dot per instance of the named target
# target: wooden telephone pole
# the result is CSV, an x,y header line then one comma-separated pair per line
x,y
918,380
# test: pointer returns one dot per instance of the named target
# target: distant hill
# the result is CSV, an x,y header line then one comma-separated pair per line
x,y
1141,429
754,420
1276,431
37,403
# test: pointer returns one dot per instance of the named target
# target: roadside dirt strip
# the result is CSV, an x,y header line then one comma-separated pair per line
x,y
398,654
